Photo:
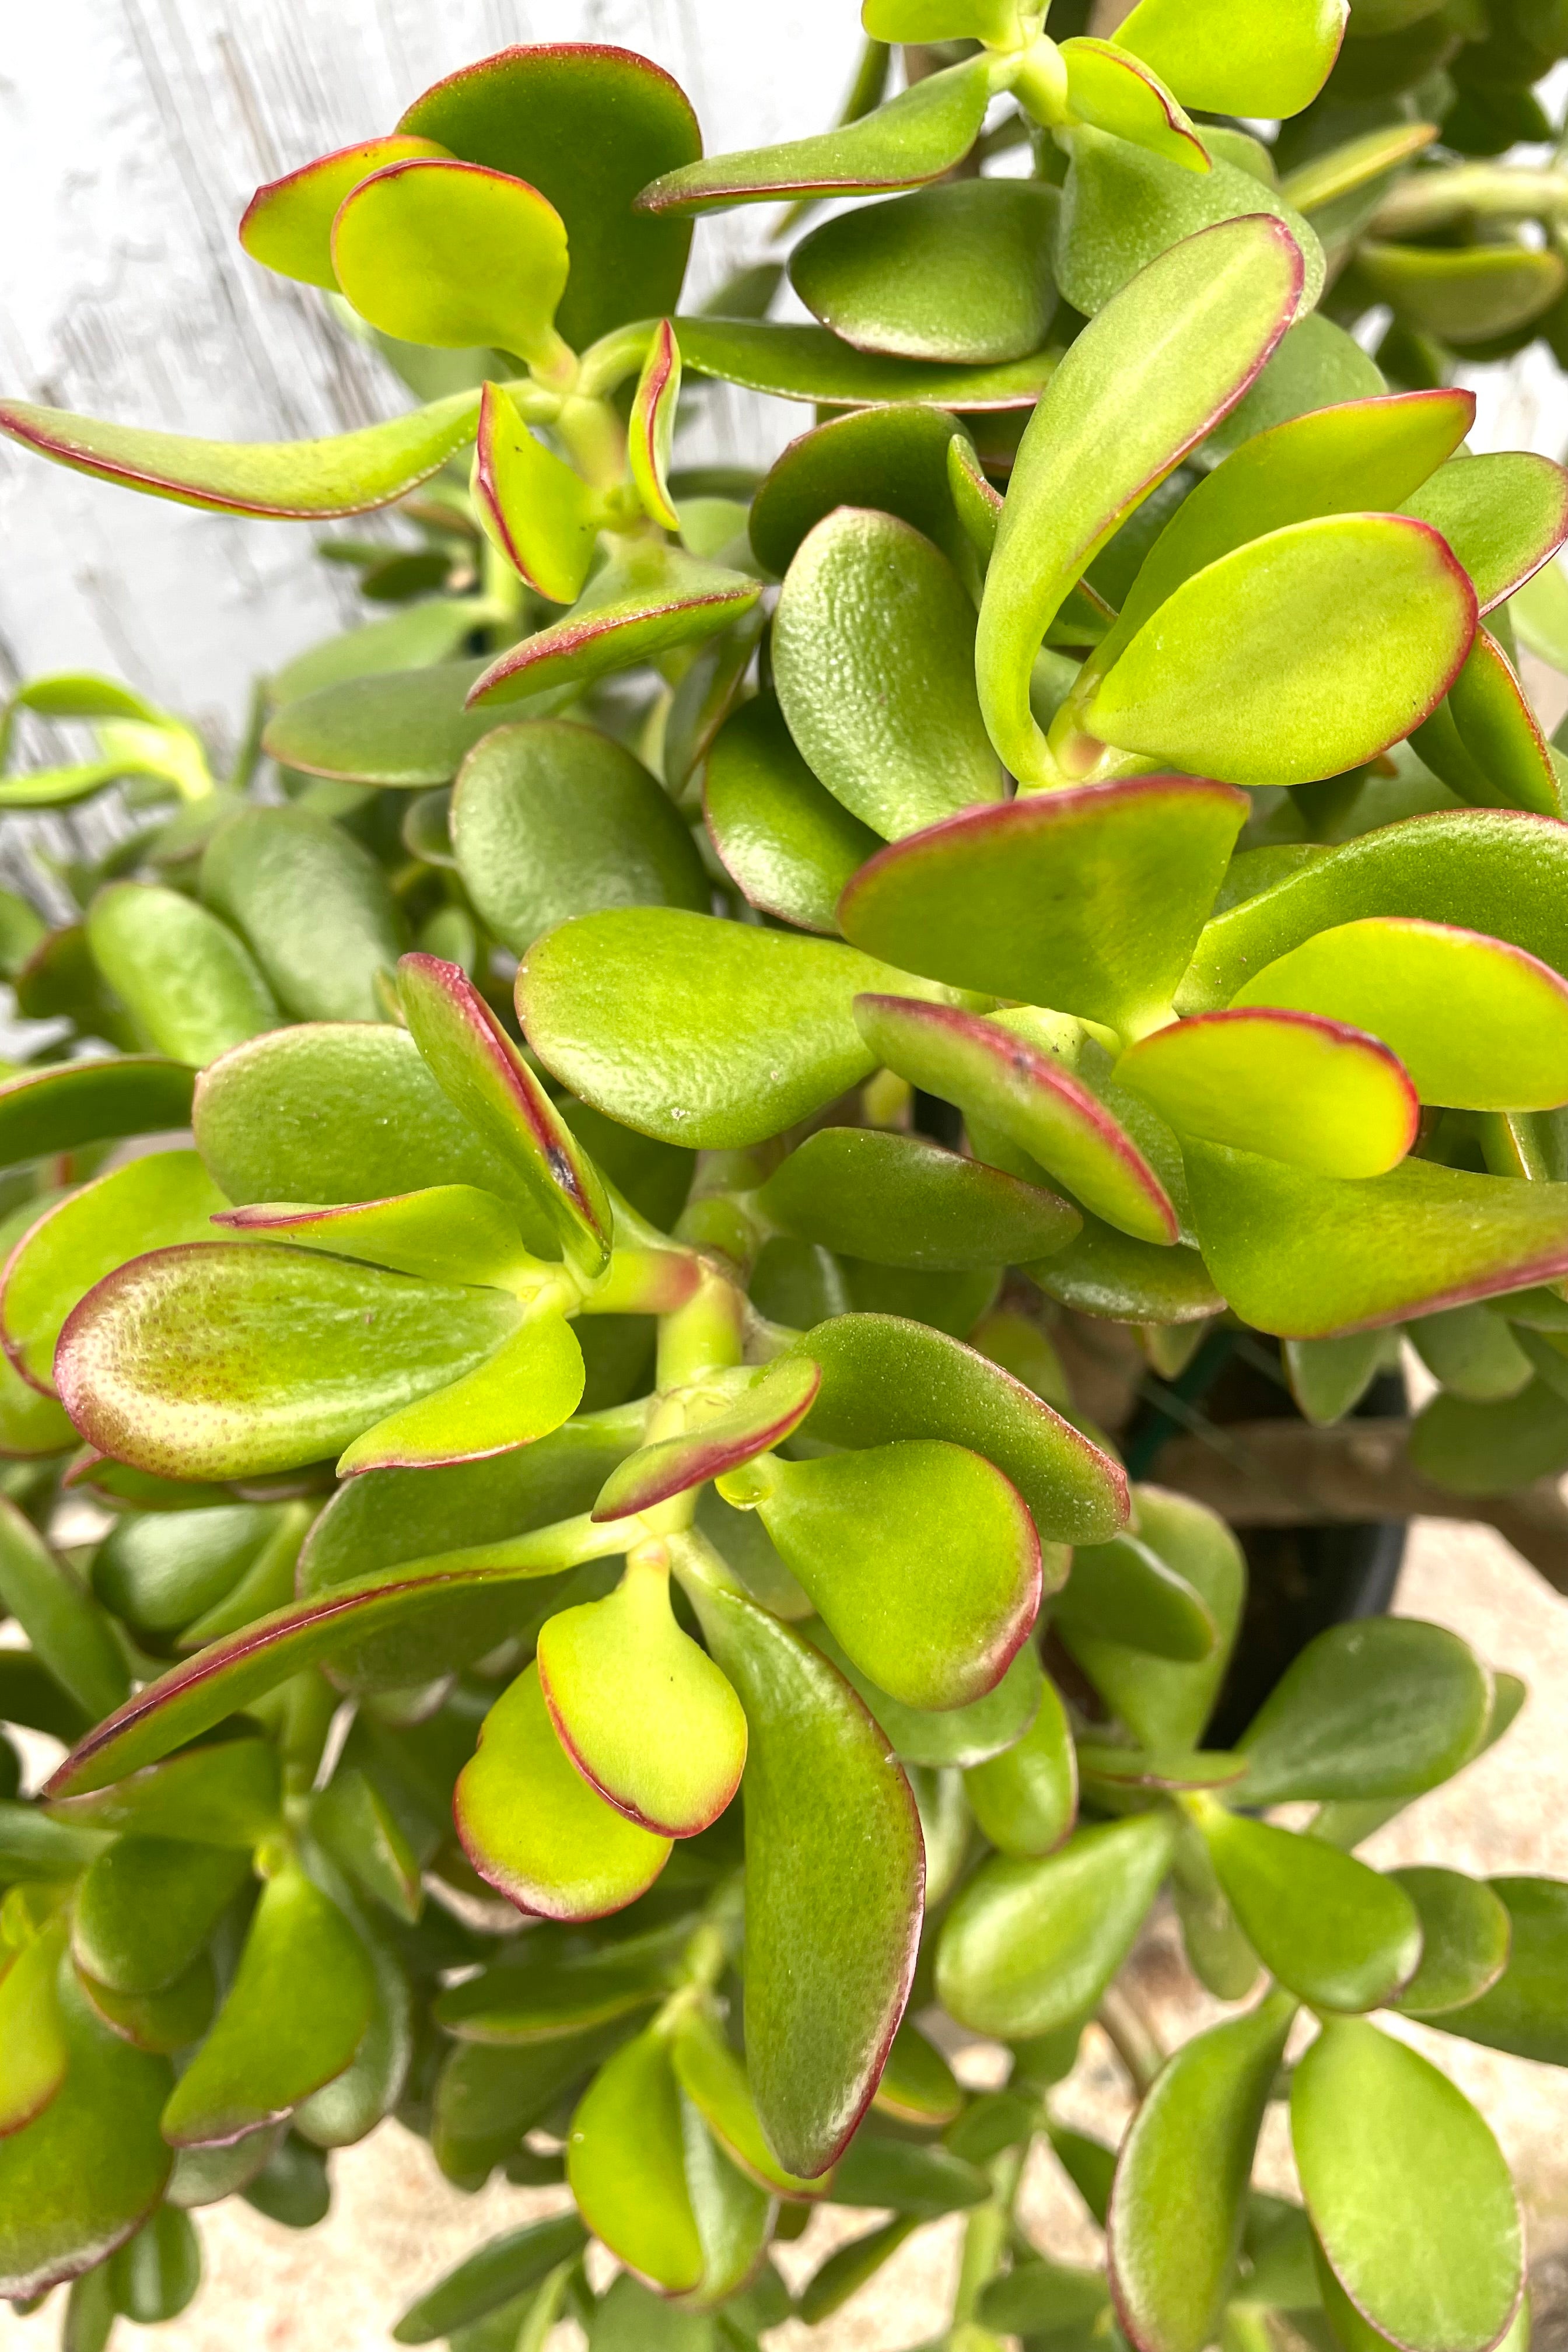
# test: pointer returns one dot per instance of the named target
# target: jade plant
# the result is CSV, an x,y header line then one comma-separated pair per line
x,y
619,1221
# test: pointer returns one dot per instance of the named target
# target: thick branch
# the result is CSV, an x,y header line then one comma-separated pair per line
x,y
1284,1474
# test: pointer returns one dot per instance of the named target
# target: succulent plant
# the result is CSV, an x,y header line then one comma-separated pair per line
x,y
750,1053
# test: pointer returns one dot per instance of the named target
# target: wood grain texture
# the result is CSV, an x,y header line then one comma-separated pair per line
x,y
131,135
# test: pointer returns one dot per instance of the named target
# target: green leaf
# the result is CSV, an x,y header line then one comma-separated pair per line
x,y
1323,1923
1025,1799
957,272
1141,386
1328,1377
1504,515
1123,1592
629,2318
427,633
34,1846
352,1822
1124,206
453,254
773,1403
345,1113
638,605
789,846
225,1795
408,728
627,2163
1386,1709
894,459
1393,2155
812,363
995,21
288,223
954,1737
1038,2297
856,1529
1223,56
292,2018
715,2081
1539,612
884,1379
1466,1933
1031,1946
1294,1085
925,2181
693,1030
146,1908
1017,1079
900,1201
651,427
1368,1250
1127,870
540,513
536,1830
43,1112
834,1877
453,1233
1486,742
65,1629
872,659
1523,2011
1464,297
504,2267
1501,1040
1473,1352
1317,365
32,2029
308,479
70,2190
155,2273
917,136
530,1384
186,980
152,1204
226,1359
1165,1704
918,2085
587,126
314,906
1179,2202
551,819
164,2022
1115,91
1358,624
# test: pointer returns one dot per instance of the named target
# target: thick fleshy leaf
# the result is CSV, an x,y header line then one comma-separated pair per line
x,y
1025,1799
551,819
1125,205
1166,1703
524,1389
835,1874
1179,2202
292,2018
67,1630
1169,359
1011,1076
642,1711
33,2053
636,607
1478,1024
476,1063
1294,1085
925,2181
1355,627
1472,1352
1043,2297
536,1830
1367,1251
453,254
891,459
539,512
152,1204
762,1415
1115,91
307,479
885,1378
224,1359
506,2266
550,1998
145,1910
1484,741
784,840
696,1031
863,1532
954,1737
587,126
1123,1592
313,907
714,2080
1031,1946
959,272
70,2190
186,980
46,1112
900,1201
1126,872
1524,2010
1334,1931
812,363
227,1794
1228,60
408,728
918,2085
345,1112
1387,1709
1466,296
452,1232
1391,2155
873,664
1466,1933
651,427
1499,872
626,2159
1328,1377
917,136
1503,514
288,223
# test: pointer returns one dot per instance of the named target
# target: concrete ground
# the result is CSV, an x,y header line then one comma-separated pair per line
x,y
395,2225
